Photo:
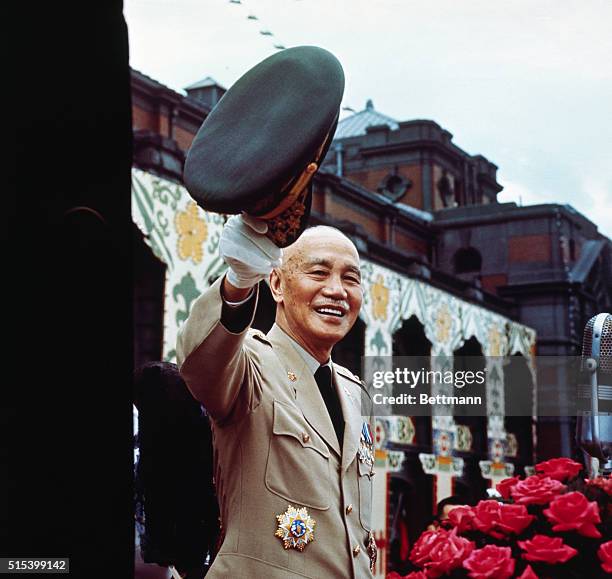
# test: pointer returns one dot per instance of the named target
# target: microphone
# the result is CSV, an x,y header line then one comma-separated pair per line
x,y
594,424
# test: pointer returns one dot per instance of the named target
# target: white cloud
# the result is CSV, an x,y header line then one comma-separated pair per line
x,y
518,193
597,200
527,84
594,202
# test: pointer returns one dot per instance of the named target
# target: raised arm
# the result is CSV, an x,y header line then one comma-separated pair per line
x,y
210,348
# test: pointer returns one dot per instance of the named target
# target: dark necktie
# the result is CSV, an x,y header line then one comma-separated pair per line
x,y
323,377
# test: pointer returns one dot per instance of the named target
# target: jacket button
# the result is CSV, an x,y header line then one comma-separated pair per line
x,y
356,550
305,437
349,509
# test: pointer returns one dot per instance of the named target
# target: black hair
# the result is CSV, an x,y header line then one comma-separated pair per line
x,y
176,508
452,500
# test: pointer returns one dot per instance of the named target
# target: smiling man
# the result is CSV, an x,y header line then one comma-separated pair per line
x,y
294,456
318,290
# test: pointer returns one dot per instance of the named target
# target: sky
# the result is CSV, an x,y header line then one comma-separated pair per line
x,y
526,83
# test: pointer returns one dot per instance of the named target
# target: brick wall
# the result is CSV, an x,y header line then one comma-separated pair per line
x,y
183,137
409,243
529,248
490,283
372,179
373,225
142,119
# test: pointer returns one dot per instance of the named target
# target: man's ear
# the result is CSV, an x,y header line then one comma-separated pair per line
x,y
276,286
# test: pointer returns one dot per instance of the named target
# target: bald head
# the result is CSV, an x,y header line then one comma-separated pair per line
x,y
295,254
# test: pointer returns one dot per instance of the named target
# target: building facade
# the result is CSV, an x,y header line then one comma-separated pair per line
x,y
448,272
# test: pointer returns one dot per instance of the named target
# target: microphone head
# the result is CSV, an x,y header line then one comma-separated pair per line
x,y
594,424
597,341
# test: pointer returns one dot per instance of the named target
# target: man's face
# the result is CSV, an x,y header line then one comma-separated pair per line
x,y
319,288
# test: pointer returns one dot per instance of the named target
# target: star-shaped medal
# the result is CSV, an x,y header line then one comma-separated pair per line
x,y
295,528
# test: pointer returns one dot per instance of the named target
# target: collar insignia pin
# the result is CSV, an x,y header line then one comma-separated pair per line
x,y
291,375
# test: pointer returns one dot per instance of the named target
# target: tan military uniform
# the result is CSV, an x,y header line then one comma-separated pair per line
x,y
276,446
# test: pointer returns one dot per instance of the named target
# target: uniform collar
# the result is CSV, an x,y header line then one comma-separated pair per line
x,y
310,361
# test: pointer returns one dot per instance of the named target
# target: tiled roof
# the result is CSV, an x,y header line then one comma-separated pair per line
x,y
589,252
357,124
208,81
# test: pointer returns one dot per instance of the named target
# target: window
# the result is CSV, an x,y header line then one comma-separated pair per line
x,y
467,260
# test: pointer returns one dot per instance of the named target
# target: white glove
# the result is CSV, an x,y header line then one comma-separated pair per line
x,y
250,255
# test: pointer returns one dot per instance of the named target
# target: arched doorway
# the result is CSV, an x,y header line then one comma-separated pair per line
x,y
348,351
410,340
471,423
410,490
518,400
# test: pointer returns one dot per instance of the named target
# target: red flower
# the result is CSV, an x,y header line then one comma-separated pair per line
x,y
462,518
605,556
535,490
560,469
422,548
601,482
528,573
504,486
490,562
547,549
440,551
499,520
573,511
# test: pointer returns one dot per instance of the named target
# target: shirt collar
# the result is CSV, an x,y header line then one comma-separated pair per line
x,y
309,359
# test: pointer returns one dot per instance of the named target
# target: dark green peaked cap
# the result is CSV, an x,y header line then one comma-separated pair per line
x,y
275,120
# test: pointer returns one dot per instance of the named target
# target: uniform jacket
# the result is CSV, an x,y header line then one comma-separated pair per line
x,y
275,446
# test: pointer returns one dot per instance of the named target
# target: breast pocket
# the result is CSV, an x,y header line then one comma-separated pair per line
x,y
298,467
365,495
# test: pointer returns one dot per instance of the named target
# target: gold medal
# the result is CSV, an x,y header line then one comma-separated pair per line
x,y
295,528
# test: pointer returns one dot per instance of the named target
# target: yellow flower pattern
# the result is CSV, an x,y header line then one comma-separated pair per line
x,y
494,342
380,299
444,324
192,233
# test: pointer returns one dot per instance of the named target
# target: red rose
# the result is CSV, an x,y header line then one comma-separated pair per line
x,y
490,562
560,469
440,551
420,552
535,490
605,484
499,520
503,487
573,511
528,573
462,518
547,549
605,556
